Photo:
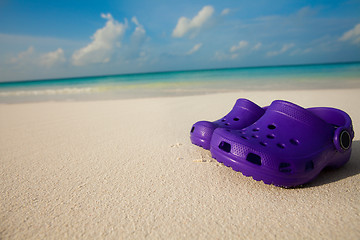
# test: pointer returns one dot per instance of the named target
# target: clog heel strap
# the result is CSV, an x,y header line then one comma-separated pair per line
x,y
342,122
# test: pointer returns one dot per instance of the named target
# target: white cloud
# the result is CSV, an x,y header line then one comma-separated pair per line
x,y
32,58
300,51
135,49
51,58
285,48
240,45
139,30
103,43
23,56
257,46
185,25
226,11
233,56
306,12
352,35
233,52
194,49
139,34
221,56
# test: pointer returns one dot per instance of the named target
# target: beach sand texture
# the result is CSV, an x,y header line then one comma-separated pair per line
x,y
126,169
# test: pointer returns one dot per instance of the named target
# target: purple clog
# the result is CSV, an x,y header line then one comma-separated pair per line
x,y
288,146
243,114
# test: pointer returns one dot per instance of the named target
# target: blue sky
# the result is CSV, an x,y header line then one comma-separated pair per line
x,y
54,39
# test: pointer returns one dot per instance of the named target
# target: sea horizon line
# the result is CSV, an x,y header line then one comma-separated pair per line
x,y
177,71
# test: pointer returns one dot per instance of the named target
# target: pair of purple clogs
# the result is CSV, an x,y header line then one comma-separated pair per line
x,y
282,144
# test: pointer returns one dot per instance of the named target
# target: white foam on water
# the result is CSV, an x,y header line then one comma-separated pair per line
x,y
39,92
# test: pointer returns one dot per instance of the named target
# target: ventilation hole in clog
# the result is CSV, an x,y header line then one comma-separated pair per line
x,y
309,166
254,158
236,119
226,147
284,167
271,126
254,136
256,129
223,120
270,136
264,144
192,129
244,137
228,130
281,145
227,124
294,141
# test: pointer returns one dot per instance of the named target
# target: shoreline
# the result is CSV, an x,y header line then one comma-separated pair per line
x,y
88,95
185,83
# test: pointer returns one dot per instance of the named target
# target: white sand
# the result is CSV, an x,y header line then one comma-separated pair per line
x,y
125,169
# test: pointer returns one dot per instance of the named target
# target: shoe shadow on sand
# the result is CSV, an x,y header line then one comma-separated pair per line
x,y
329,175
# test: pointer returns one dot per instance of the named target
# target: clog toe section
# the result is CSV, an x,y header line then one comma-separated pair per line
x,y
243,114
201,133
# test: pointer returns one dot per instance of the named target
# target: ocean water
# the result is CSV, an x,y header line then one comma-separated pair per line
x,y
181,83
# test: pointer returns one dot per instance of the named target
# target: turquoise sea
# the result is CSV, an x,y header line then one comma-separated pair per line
x,y
181,83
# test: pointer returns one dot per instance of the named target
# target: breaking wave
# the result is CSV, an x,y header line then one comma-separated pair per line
x,y
41,92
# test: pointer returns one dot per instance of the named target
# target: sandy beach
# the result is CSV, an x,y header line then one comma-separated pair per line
x,y
126,169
